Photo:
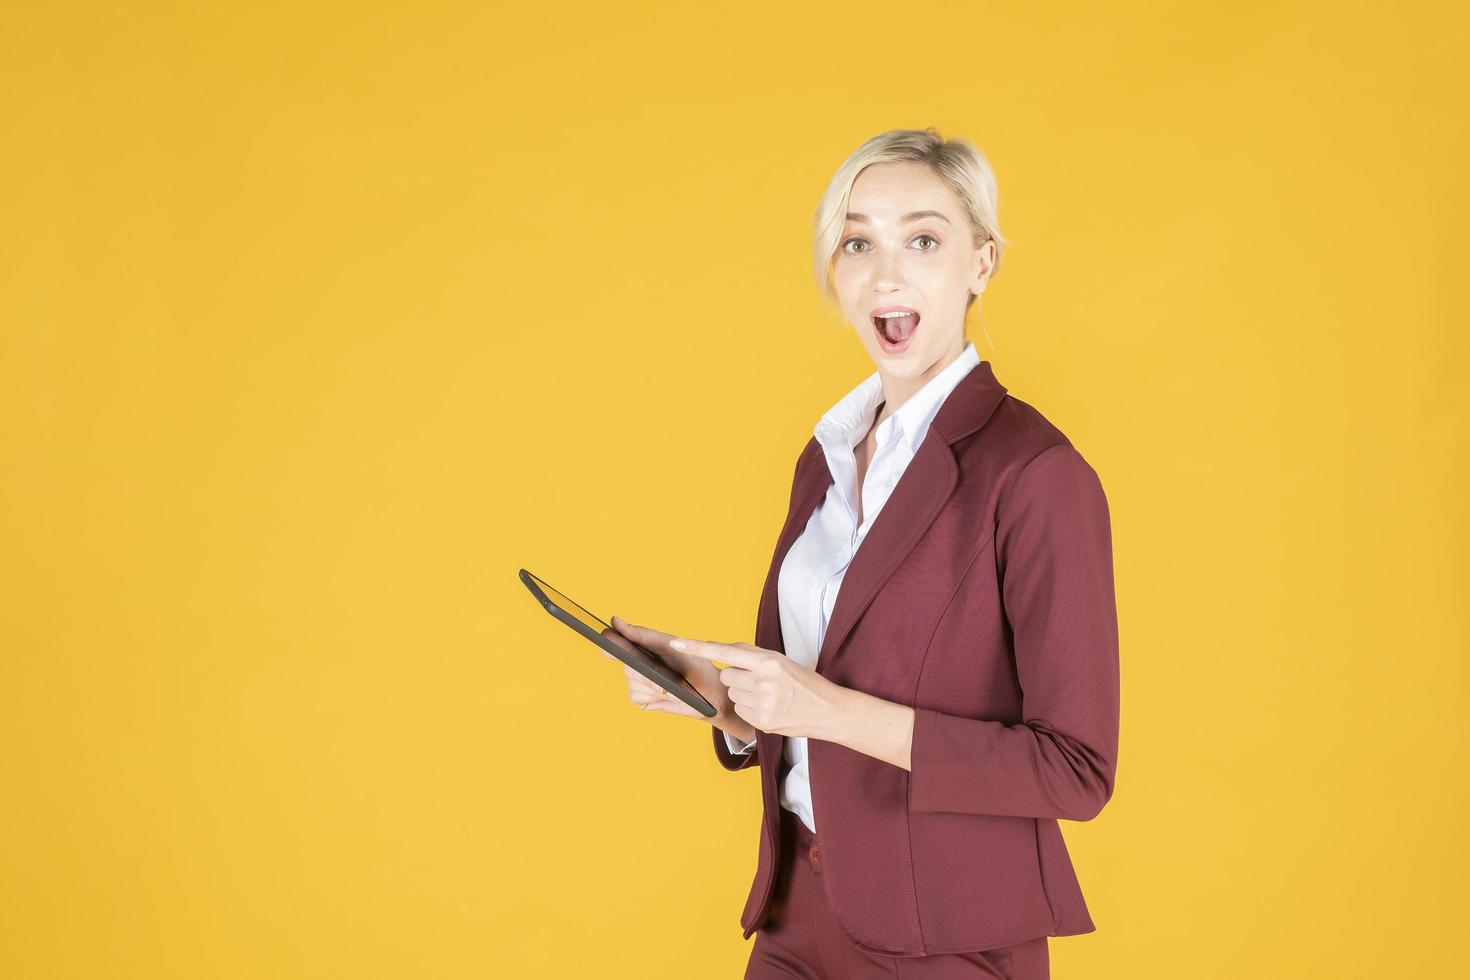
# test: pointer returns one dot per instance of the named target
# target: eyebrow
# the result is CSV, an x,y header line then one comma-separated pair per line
x,y
911,216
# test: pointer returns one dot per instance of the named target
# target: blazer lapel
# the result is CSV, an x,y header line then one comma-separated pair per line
x,y
912,507
915,502
811,487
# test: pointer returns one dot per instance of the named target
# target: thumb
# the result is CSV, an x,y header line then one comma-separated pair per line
x,y
642,634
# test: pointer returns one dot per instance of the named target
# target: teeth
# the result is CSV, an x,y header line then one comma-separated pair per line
x,y
885,316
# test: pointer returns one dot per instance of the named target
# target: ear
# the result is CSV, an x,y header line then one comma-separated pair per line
x,y
984,263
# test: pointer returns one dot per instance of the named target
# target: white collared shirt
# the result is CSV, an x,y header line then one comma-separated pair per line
x,y
812,572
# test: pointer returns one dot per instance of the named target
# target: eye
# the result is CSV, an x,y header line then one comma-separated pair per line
x,y
934,243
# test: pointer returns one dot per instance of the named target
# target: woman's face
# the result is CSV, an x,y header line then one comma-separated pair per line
x,y
906,246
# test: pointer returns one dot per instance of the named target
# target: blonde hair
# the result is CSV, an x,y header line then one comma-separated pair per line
x,y
957,162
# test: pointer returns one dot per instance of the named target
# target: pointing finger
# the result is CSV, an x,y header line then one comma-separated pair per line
x,y
725,653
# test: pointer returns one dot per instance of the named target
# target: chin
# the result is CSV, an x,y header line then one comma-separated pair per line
x,y
910,363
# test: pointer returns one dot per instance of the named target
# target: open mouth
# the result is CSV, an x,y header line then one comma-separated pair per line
x,y
896,329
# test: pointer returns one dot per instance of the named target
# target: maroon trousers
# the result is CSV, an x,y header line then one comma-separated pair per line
x,y
801,939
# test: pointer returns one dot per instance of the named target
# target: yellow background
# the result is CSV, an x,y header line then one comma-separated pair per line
x,y
321,320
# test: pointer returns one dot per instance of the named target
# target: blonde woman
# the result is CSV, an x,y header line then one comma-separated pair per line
x,y
934,679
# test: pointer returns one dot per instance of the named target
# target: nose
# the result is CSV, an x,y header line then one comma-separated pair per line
x,y
889,275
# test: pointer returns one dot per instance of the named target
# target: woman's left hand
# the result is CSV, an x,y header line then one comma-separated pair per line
x,y
770,690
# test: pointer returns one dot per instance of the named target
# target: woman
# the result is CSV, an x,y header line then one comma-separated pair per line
x,y
934,682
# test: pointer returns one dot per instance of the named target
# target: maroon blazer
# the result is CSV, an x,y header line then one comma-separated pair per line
x,y
982,596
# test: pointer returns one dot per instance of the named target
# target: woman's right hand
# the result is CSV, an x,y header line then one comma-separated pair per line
x,y
702,674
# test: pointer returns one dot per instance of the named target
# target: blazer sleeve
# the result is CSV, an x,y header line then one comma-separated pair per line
x,y
730,758
1054,558
736,747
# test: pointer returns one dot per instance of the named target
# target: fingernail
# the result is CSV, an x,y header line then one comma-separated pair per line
x,y
678,644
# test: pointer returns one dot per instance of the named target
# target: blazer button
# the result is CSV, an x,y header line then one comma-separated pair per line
x,y
816,854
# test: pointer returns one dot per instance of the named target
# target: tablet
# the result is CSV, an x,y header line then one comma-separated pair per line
x,y
641,659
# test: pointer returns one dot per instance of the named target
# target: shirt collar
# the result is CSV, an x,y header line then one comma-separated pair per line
x,y
846,423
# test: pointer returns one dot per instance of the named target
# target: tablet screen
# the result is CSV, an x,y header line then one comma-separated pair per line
x,y
648,663
573,607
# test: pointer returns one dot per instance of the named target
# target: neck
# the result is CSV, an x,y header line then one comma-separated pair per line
x,y
896,391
